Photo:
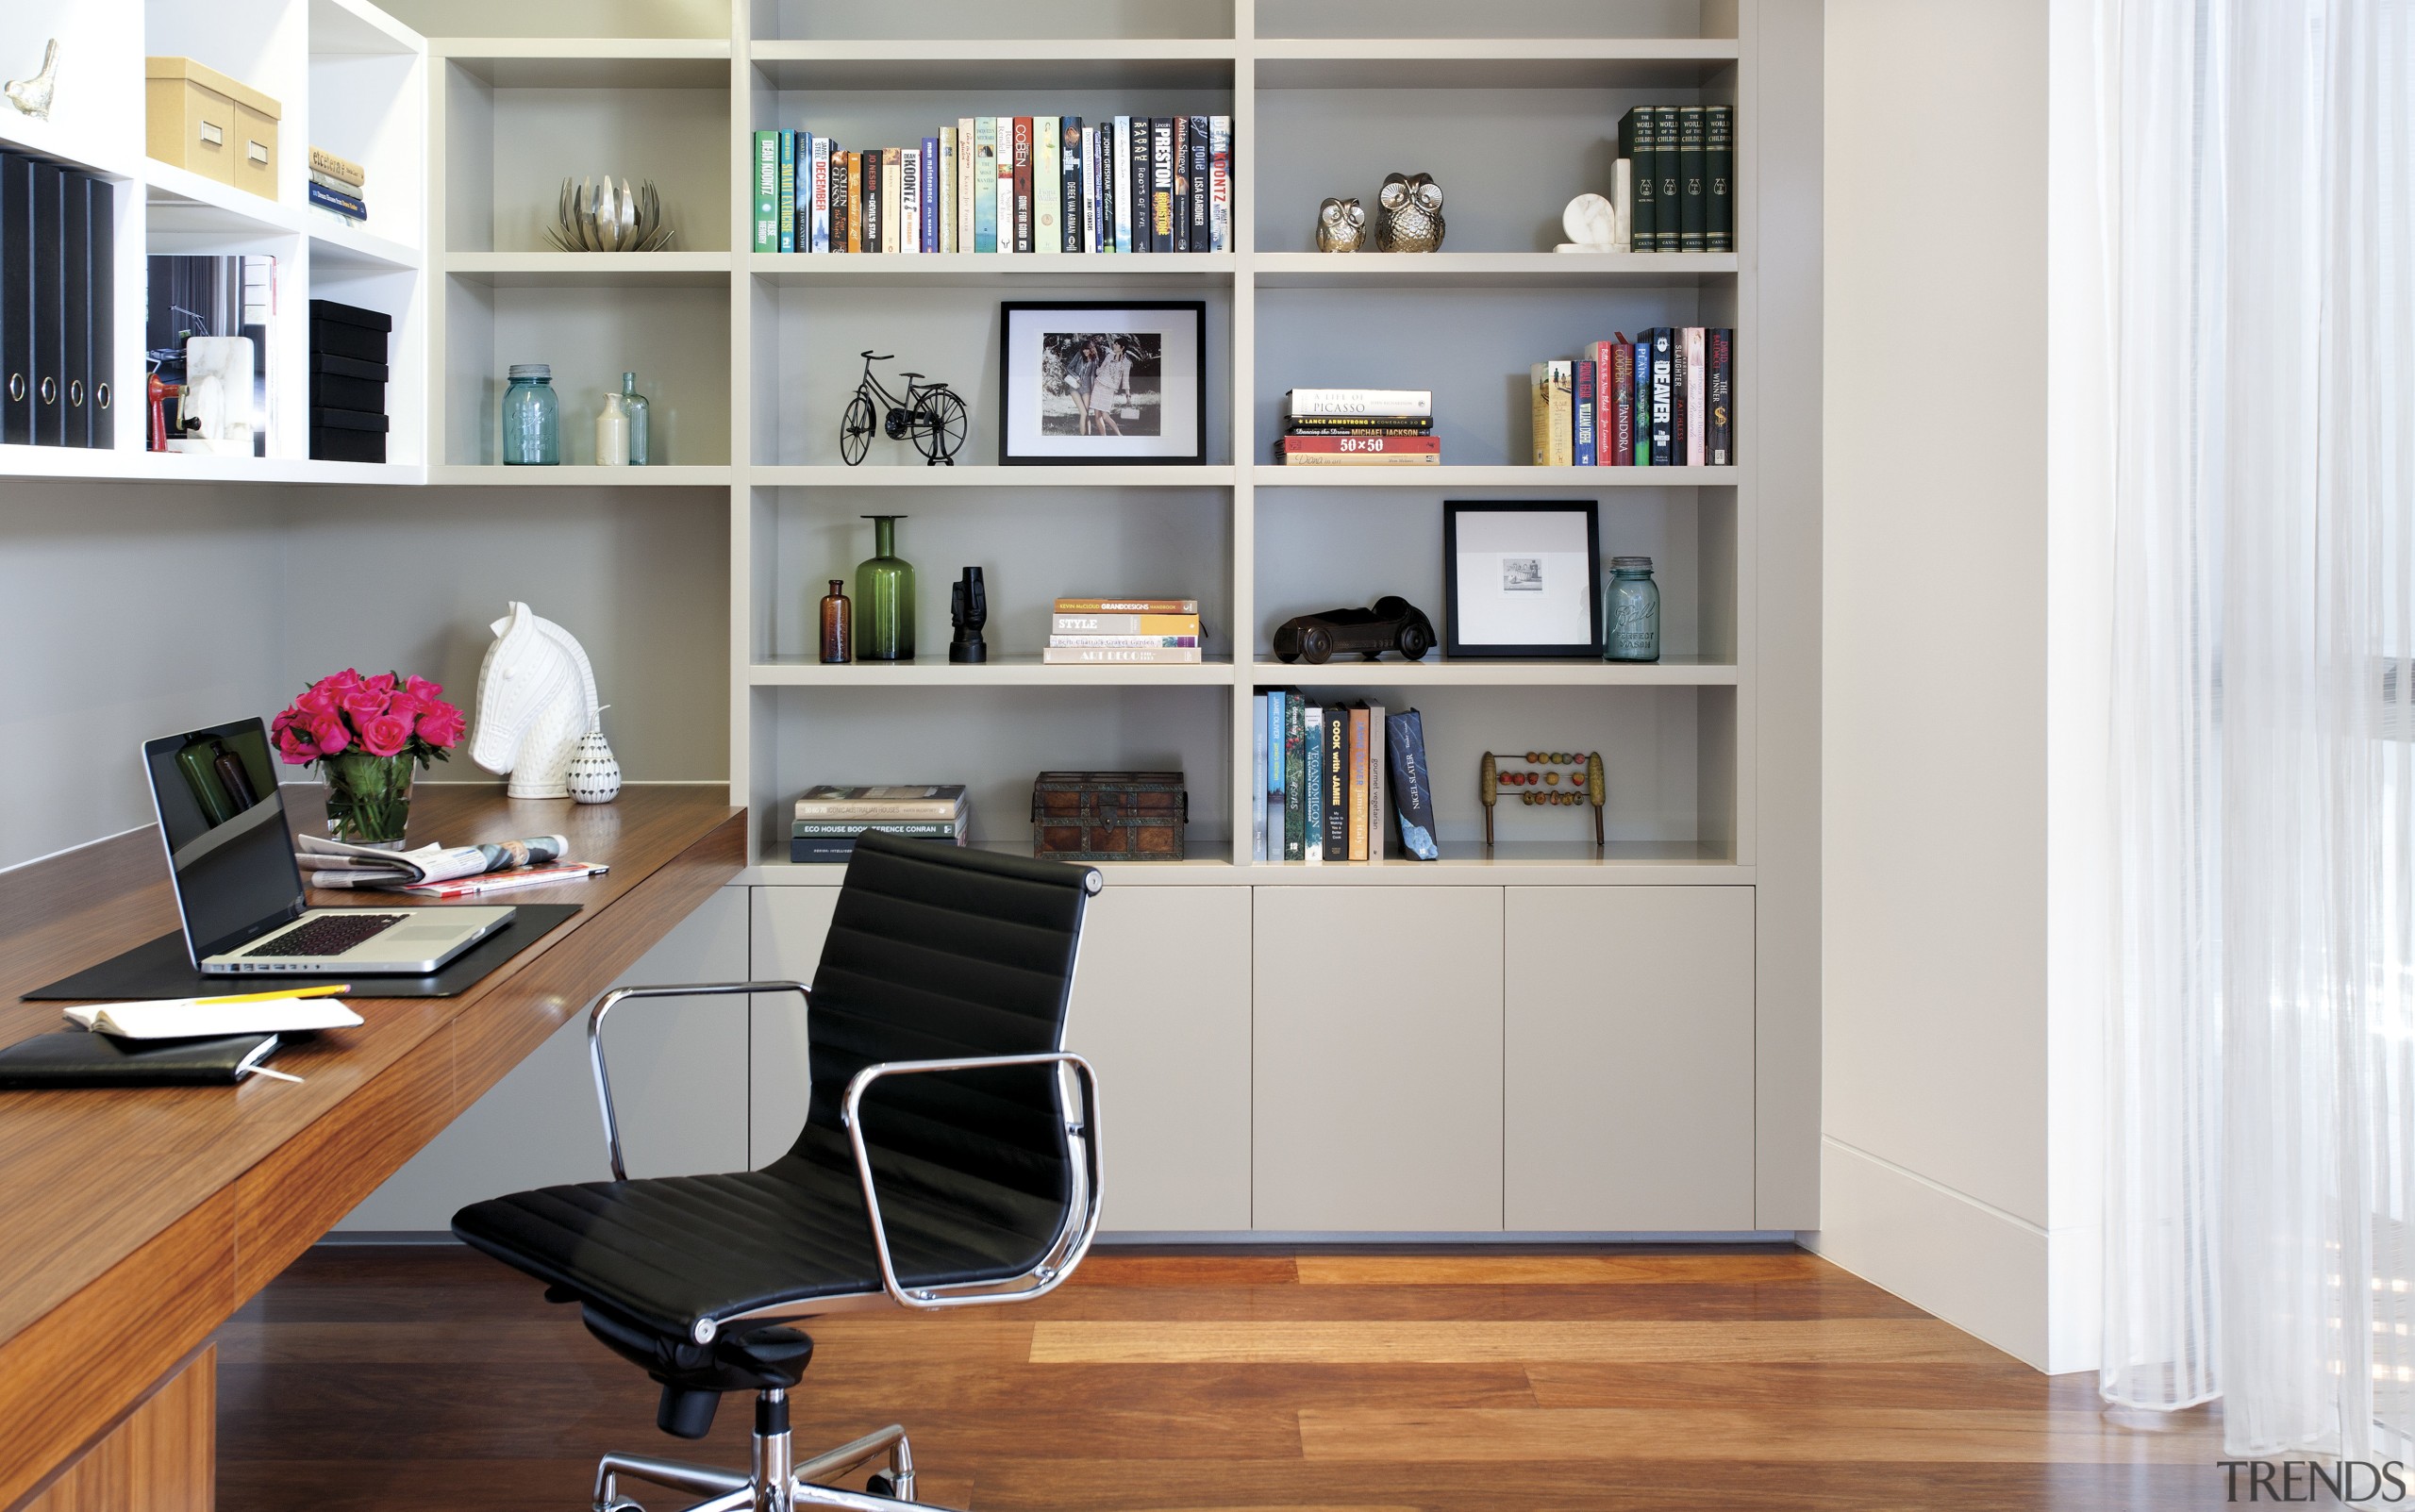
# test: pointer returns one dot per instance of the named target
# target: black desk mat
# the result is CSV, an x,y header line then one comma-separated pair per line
x,y
160,968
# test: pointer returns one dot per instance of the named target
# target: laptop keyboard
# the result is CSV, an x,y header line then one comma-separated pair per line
x,y
328,934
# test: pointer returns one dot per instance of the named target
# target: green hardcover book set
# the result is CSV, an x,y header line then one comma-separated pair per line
x,y
1680,177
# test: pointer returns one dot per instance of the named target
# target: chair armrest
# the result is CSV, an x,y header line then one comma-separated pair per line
x,y
1081,1215
596,1039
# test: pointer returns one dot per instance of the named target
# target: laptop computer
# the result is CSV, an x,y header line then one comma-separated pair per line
x,y
239,891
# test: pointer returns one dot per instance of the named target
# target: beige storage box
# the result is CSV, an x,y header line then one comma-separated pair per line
x,y
199,119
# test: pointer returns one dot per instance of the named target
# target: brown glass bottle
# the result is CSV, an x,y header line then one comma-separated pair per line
x,y
838,624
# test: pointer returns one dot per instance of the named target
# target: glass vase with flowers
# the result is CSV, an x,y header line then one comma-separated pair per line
x,y
367,736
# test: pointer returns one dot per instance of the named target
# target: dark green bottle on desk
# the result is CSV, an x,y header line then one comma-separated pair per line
x,y
885,597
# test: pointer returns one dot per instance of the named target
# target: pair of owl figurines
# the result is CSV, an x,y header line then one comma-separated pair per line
x,y
1408,218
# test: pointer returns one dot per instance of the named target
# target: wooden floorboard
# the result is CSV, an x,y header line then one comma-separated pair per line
x,y
375,1380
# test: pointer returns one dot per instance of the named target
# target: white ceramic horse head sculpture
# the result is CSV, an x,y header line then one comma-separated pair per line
x,y
536,698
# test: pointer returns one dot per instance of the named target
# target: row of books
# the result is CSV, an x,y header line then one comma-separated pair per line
x,y
1681,172
1339,783
829,817
1358,427
1101,632
1003,184
1665,399
334,187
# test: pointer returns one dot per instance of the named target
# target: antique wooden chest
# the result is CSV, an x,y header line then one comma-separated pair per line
x,y
1109,816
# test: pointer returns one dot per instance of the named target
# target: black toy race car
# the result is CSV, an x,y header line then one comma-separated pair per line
x,y
1393,625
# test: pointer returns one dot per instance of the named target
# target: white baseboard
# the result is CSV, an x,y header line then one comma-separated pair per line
x,y
1977,1266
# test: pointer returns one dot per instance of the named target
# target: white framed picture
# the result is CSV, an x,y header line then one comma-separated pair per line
x,y
1522,579
1103,381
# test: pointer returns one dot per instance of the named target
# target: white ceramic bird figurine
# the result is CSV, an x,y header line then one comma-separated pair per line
x,y
32,95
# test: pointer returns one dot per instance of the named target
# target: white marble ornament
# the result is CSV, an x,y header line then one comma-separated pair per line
x,y
217,403
1591,224
595,774
536,698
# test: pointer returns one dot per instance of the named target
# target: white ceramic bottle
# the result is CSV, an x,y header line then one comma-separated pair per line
x,y
612,433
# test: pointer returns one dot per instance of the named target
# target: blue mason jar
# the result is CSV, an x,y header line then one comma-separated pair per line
x,y
1635,611
531,417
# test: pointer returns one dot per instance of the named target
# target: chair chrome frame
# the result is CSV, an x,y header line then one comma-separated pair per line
x,y
774,1483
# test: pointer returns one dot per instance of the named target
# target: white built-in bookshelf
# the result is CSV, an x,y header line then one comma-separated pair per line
x,y
749,357
347,76
469,115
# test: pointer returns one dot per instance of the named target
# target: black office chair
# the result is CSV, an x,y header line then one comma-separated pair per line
x,y
941,1165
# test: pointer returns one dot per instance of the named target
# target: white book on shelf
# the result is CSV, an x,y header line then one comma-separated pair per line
x,y
1411,402
946,190
1089,189
1621,206
1122,168
909,200
964,160
1047,186
1219,183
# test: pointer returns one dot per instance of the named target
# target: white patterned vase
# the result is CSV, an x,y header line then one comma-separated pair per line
x,y
594,777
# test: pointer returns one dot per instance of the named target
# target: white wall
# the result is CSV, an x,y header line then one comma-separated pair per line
x,y
1937,1068
130,611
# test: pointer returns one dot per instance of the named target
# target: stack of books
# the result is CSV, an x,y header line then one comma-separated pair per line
x,y
1084,631
1359,428
1666,399
1338,782
1681,163
829,818
334,188
1003,183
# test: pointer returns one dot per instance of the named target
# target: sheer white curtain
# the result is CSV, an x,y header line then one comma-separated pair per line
x,y
2253,174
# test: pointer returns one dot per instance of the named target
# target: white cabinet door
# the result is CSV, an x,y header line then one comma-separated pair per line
x,y
1161,1011
790,925
678,1066
1629,1059
1377,1050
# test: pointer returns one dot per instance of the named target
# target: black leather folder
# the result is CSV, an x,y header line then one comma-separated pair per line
x,y
50,305
16,299
76,305
80,1058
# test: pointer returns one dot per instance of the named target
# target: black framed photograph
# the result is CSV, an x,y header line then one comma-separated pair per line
x,y
1103,382
1522,579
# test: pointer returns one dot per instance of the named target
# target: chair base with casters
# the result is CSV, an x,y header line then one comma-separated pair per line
x,y
972,1177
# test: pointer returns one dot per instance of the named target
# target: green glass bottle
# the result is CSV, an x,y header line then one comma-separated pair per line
x,y
885,597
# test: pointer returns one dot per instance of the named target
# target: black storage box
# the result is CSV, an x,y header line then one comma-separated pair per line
x,y
348,383
347,436
340,339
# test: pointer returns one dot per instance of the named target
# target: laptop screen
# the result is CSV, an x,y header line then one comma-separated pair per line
x,y
224,823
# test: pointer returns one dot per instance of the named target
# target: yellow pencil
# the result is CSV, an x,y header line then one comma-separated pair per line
x,y
327,991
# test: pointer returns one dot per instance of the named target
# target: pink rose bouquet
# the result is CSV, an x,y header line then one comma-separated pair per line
x,y
367,735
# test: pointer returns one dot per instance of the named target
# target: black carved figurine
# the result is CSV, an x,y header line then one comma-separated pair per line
x,y
969,607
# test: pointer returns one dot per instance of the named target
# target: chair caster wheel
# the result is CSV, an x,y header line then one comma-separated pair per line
x,y
881,1484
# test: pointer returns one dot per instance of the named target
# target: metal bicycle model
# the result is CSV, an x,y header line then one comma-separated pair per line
x,y
930,415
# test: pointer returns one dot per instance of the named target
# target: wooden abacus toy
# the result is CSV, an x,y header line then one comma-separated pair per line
x,y
1540,784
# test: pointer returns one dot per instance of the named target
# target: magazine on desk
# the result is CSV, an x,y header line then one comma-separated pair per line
x,y
436,870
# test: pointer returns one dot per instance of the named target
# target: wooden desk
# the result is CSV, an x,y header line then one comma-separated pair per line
x,y
133,1221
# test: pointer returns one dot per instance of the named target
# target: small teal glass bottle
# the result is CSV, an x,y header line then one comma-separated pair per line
x,y
640,421
531,417
1634,611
